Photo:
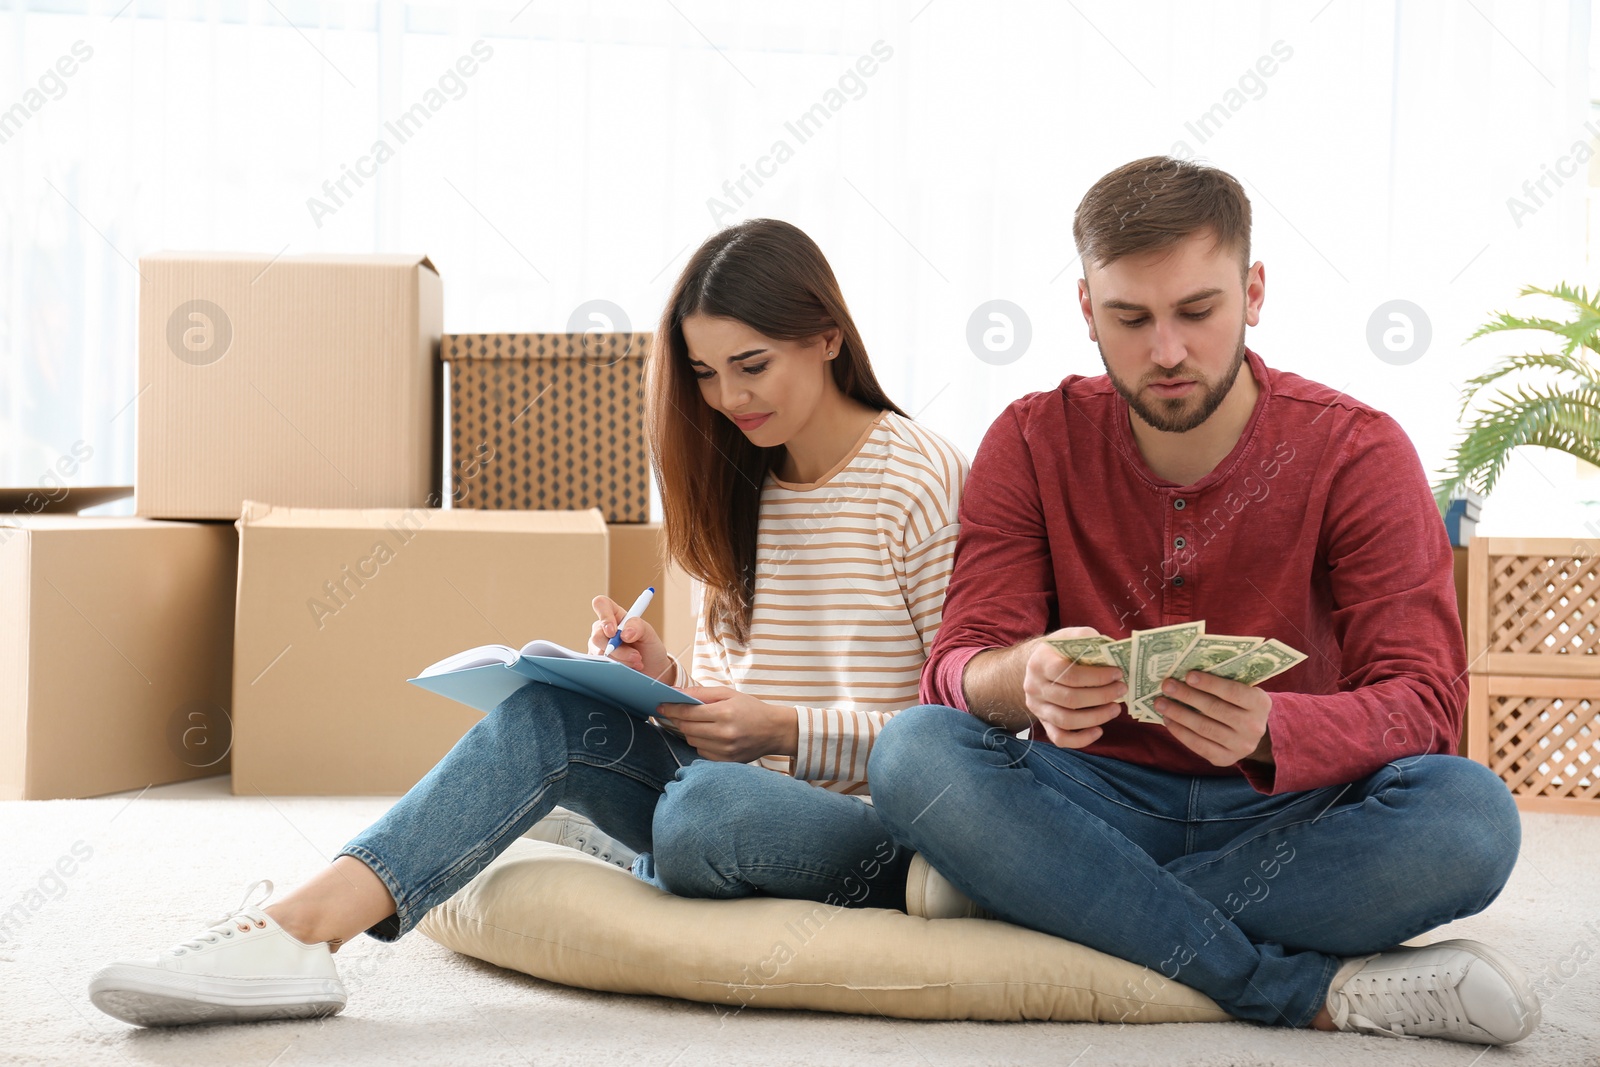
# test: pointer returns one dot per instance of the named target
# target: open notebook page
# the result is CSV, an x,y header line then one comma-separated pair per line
x,y
482,656
487,655
551,650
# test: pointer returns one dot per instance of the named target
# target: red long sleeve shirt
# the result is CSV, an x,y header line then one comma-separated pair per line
x,y
1318,529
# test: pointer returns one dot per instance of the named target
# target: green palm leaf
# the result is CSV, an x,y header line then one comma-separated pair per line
x,y
1547,417
1575,365
1578,297
1582,332
1561,411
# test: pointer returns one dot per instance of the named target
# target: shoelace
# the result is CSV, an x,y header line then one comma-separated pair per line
x,y
593,848
1404,1008
223,927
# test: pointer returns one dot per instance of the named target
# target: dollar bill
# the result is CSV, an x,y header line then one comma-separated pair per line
x,y
1211,650
1207,651
1096,651
1260,660
1089,650
1146,712
1120,653
1156,653
1149,657
1268,660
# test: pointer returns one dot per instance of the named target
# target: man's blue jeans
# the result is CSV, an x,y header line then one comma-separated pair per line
x,y
1250,899
703,828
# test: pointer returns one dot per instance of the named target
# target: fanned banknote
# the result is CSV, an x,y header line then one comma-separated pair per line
x,y
1156,654
1149,657
1269,659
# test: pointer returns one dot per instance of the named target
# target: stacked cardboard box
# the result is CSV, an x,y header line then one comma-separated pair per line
x,y
116,641
292,564
337,608
309,381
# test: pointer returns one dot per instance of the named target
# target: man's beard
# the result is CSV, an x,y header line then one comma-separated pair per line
x,y
1179,414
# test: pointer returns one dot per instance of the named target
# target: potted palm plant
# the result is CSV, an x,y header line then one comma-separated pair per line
x,y
1533,644
1551,399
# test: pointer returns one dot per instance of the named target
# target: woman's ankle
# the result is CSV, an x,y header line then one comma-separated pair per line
x,y
294,923
333,905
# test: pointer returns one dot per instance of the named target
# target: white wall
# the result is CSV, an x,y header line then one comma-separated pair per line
x,y
578,162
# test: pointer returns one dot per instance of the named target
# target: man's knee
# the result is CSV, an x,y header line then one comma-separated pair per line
x,y
1474,827
915,755
914,735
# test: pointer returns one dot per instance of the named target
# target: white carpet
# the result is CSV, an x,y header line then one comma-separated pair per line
x,y
159,867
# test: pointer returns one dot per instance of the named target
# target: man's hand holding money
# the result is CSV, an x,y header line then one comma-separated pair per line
x,y
1072,699
1220,720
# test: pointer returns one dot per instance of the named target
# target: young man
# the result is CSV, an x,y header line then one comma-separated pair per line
x,y
1268,846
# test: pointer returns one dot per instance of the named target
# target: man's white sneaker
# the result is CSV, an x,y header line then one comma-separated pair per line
x,y
573,830
1457,990
241,968
930,895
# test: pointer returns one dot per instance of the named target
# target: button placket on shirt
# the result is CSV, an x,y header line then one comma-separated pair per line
x,y
1176,592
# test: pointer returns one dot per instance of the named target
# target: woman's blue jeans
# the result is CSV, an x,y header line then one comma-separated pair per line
x,y
1250,899
703,828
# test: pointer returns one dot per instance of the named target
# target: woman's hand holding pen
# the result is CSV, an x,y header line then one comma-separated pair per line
x,y
641,646
732,726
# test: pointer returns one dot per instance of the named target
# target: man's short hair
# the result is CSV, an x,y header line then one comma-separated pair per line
x,y
1155,202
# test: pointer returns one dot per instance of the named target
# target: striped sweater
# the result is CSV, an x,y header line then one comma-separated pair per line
x,y
850,580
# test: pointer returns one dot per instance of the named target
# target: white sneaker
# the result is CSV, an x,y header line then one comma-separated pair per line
x,y
930,895
573,830
1456,990
242,968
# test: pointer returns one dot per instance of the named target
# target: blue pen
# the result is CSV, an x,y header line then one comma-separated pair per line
x,y
633,613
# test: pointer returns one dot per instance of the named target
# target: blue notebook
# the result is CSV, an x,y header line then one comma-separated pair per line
x,y
482,677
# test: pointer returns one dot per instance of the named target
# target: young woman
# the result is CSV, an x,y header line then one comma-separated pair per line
x,y
820,522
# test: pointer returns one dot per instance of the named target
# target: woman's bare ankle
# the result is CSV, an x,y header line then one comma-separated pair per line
x,y
334,905
293,922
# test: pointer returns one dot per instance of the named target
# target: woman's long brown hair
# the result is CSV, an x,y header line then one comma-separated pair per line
x,y
773,278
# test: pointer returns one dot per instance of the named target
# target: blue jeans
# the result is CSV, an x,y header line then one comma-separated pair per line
x,y
1250,899
703,828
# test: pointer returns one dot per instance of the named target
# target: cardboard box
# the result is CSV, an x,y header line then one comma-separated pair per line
x,y
337,608
549,420
116,643
303,380
636,564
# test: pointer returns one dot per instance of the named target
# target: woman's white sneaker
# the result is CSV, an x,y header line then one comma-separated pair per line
x,y
930,895
242,968
1456,990
568,828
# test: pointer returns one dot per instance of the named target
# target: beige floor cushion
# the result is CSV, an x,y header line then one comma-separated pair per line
x,y
563,916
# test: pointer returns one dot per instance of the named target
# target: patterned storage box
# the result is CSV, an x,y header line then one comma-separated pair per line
x,y
1533,606
1541,736
549,420
1533,645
